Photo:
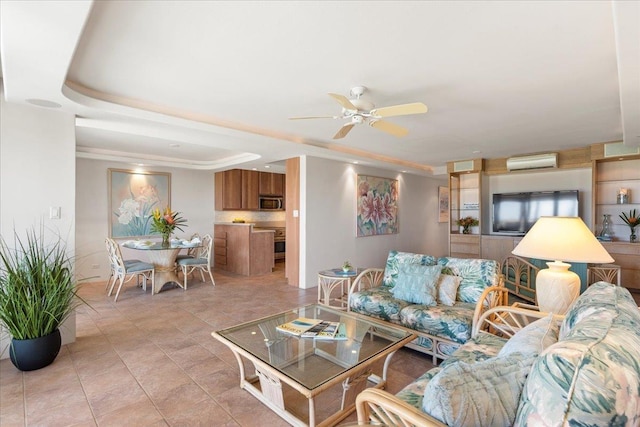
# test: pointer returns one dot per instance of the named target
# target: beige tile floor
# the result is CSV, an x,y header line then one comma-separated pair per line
x,y
150,360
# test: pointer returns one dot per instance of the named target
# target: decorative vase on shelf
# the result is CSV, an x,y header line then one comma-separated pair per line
x,y
606,233
466,230
165,240
633,238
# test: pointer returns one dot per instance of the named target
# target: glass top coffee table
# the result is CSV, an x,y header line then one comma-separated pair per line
x,y
311,366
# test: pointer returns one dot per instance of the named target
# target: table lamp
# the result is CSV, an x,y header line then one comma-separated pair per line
x,y
560,239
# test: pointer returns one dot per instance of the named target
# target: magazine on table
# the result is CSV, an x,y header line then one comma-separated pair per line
x,y
341,333
316,330
298,326
329,332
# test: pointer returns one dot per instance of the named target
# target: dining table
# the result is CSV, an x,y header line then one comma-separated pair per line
x,y
163,259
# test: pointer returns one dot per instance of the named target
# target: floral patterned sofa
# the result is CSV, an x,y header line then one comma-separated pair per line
x,y
462,290
533,370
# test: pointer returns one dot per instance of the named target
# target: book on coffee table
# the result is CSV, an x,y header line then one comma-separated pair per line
x,y
340,333
329,332
316,330
298,326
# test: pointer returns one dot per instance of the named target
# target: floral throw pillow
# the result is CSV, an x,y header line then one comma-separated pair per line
x,y
481,394
533,338
448,288
417,283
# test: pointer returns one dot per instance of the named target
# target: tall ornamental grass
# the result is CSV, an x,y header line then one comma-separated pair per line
x,y
37,286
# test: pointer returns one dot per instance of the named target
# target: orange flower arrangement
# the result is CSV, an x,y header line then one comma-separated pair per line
x,y
166,222
632,220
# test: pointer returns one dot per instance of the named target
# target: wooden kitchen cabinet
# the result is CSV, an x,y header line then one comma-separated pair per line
x,y
271,184
249,191
242,250
237,189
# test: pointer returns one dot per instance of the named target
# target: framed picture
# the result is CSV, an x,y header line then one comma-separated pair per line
x,y
132,198
443,204
377,211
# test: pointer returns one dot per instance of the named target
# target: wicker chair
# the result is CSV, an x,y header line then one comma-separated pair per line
x,y
520,280
201,261
120,270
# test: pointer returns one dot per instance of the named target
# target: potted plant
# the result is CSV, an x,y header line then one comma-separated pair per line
x,y
632,220
466,223
346,266
37,294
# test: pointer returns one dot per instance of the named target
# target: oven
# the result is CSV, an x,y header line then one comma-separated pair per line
x,y
278,243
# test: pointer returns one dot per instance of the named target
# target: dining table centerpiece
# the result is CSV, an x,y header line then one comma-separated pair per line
x,y
466,223
167,222
632,220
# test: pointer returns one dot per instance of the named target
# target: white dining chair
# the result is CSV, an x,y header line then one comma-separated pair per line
x,y
191,252
121,271
201,261
111,245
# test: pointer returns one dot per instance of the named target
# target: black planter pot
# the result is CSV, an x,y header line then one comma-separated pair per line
x,y
36,353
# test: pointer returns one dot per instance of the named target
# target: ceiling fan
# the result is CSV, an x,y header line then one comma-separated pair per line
x,y
359,111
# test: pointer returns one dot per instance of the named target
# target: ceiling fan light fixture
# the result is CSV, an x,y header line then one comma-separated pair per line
x,y
357,91
362,105
358,111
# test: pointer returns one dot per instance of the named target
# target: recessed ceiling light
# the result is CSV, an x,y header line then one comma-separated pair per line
x,y
476,151
43,103
254,169
267,166
174,145
356,162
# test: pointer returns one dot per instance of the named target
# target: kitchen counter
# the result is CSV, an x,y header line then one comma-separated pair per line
x,y
240,249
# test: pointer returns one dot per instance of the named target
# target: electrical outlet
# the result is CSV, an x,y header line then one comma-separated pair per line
x,y
95,266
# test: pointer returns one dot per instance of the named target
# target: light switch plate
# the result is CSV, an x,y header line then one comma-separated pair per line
x,y
54,212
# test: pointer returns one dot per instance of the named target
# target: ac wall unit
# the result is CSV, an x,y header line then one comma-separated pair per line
x,y
537,161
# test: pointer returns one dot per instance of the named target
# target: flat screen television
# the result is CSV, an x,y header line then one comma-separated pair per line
x,y
515,213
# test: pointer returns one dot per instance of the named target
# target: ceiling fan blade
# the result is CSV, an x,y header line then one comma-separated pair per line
x,y
344,130
342,100
388,127
400,110
314,117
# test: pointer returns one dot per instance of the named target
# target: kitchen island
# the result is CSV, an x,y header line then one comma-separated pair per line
x,y
241,249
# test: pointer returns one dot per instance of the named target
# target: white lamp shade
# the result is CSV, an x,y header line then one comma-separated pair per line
x,y
564,239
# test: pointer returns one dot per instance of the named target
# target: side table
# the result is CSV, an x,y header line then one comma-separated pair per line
x,y
335,279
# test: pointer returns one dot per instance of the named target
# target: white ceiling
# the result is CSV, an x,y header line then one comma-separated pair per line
x,y
211,84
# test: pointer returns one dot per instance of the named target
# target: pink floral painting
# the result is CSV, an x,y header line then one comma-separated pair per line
x,y
377,206
132,198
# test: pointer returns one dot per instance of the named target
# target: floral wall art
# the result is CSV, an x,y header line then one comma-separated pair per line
x,y
377,206
132,198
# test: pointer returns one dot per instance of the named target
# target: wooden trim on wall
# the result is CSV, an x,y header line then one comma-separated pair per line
x,y
292,244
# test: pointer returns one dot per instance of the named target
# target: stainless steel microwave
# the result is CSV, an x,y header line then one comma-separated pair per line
x,y
271,203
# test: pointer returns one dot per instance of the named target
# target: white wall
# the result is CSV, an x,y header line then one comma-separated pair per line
x,y
192,194
37,171
561,179
328,207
